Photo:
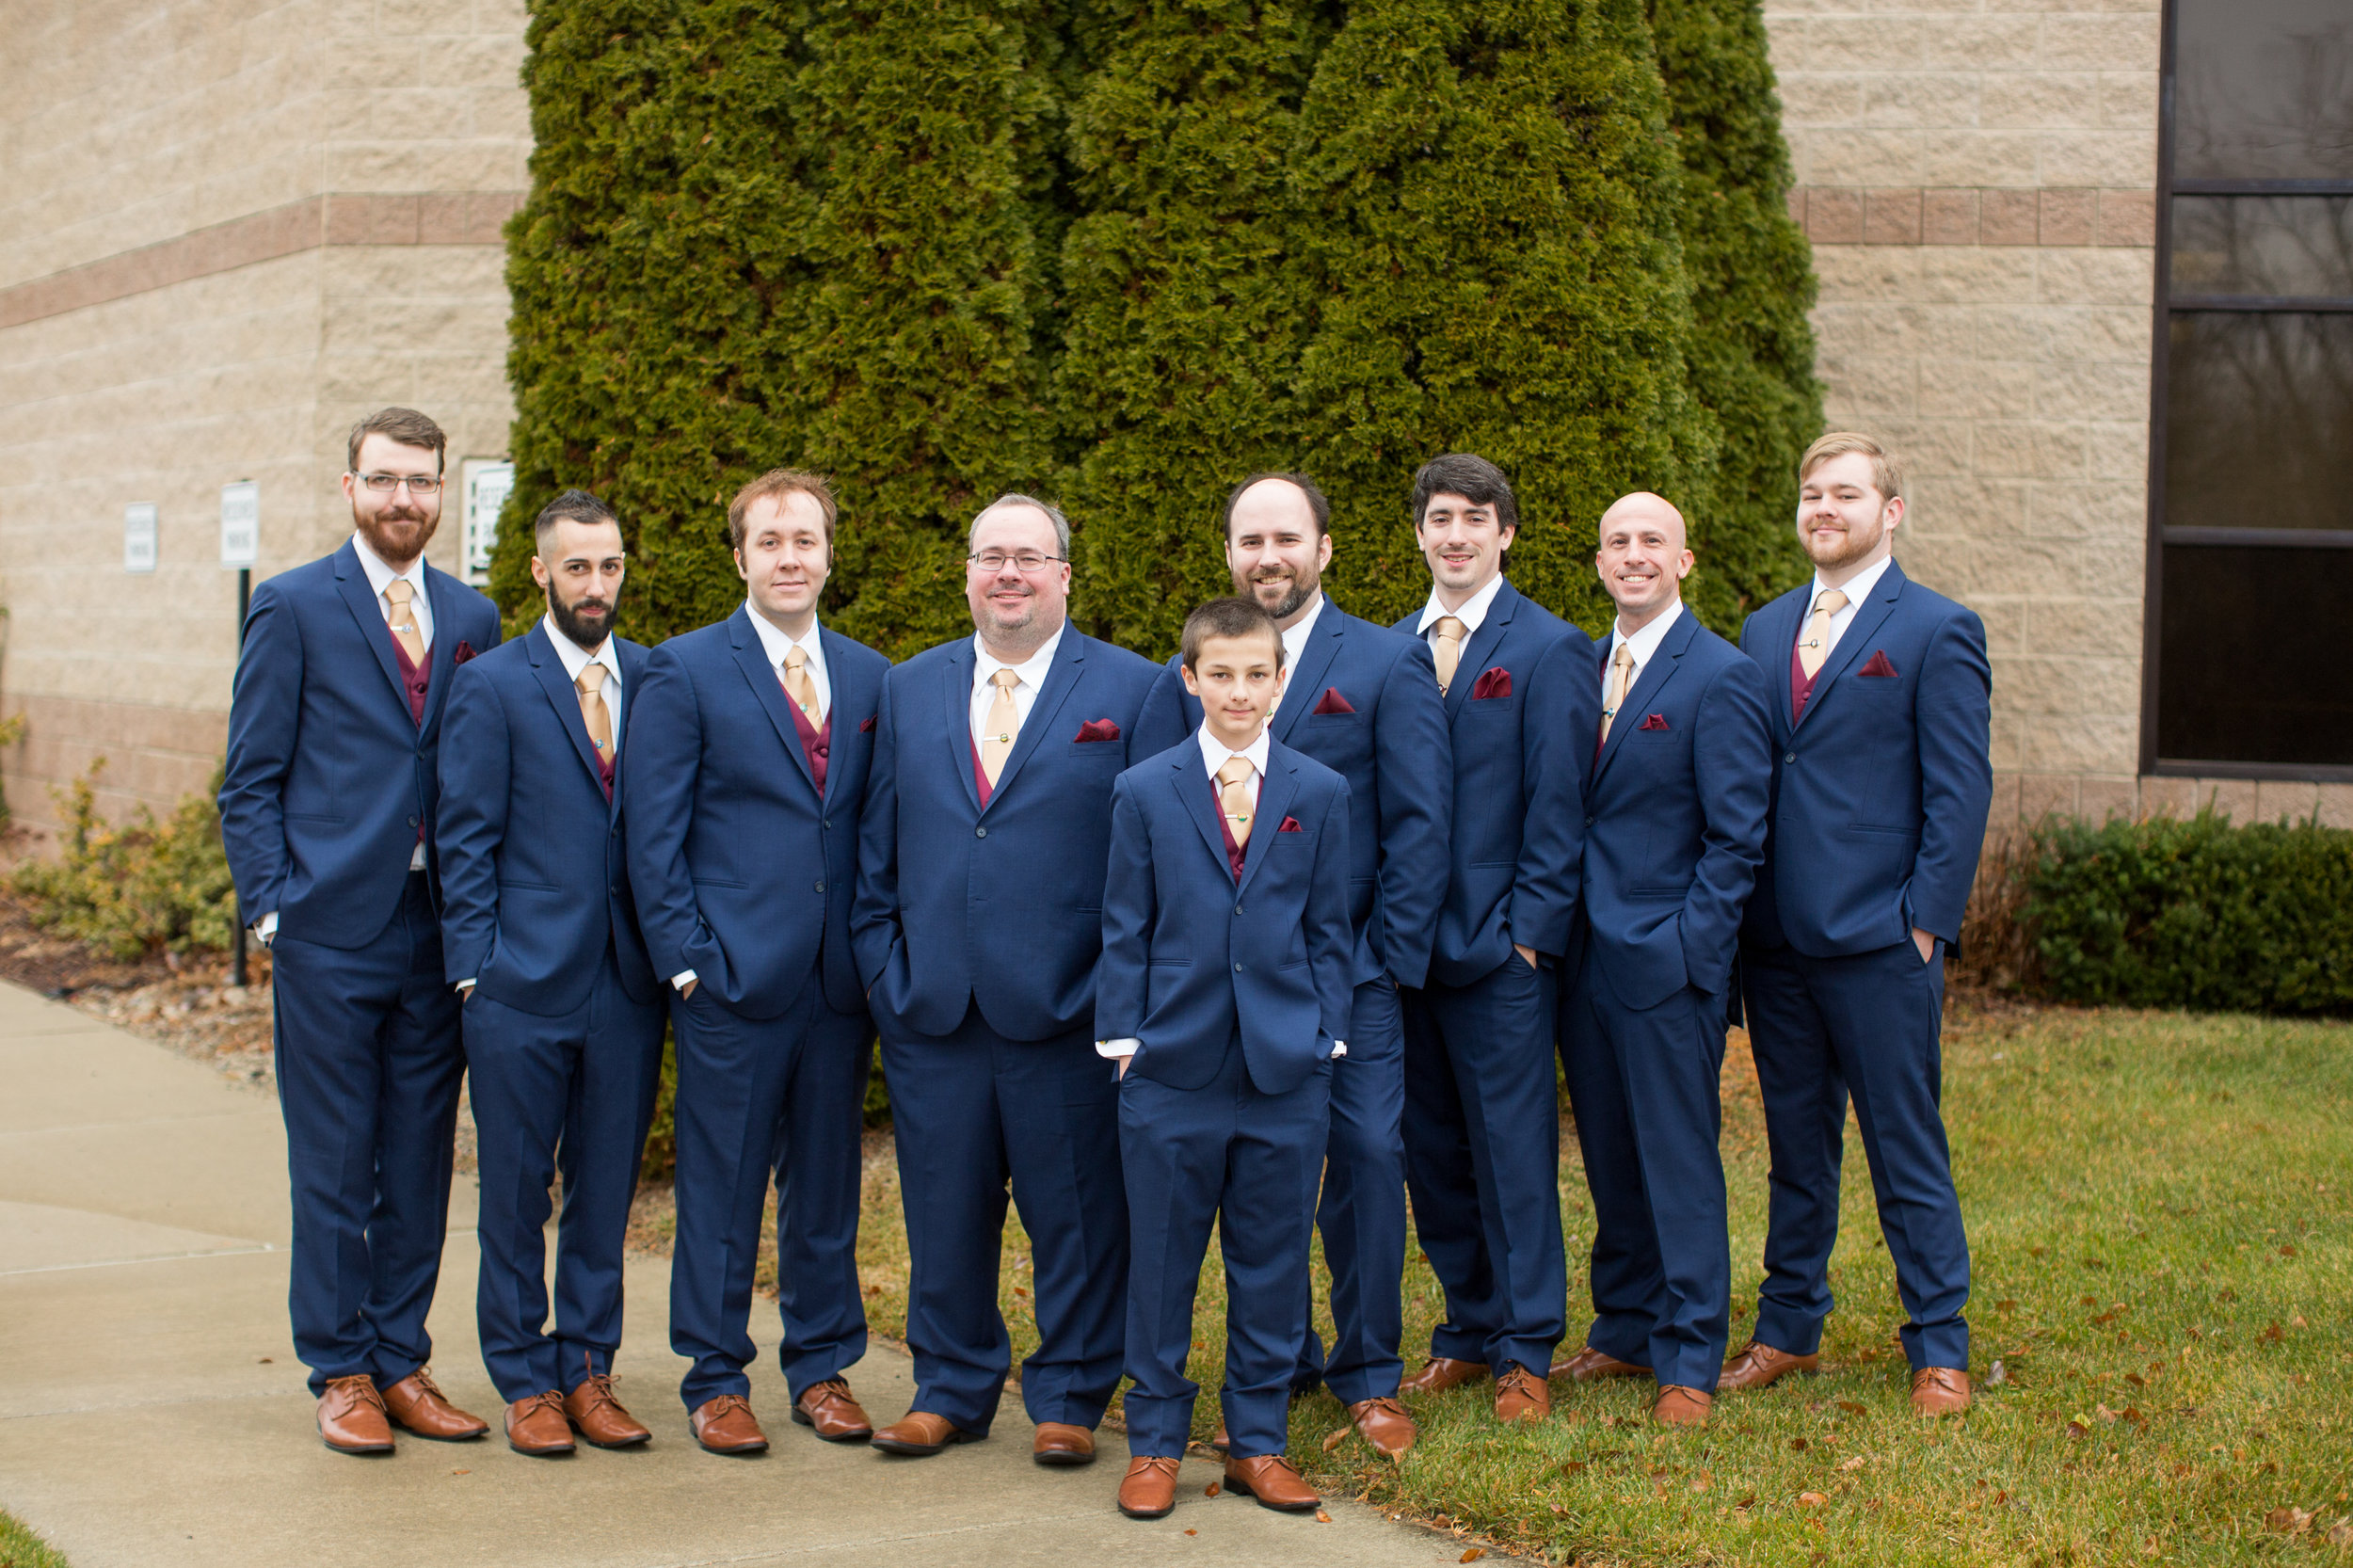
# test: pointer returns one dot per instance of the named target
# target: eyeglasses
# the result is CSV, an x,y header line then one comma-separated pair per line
x,y
385,483
1027,560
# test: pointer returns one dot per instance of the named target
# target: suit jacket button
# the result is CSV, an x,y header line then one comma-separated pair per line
x,y
821,887
827,823
1788,757
1238,969
1238,909
1589,822
980,833
412,822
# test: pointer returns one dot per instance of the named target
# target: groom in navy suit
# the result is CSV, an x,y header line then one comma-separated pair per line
x,y
1676,830
1881,697
562,1010
1364,702
1482,1125
979,926
327,813
744,768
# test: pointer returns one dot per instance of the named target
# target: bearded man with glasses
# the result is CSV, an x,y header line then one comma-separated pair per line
x,y
326,812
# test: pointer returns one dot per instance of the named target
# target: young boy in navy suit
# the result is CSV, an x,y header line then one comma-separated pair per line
x,y
1224,992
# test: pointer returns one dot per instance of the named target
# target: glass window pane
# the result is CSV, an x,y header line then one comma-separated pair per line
x,y
2264,245
2259,421
2264,89
2254,662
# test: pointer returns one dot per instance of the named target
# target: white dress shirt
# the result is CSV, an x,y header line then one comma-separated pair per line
x,y
1215,754
381,576
1294,644
1029,675
575,657
1645,645
776,645
1857,589
1474,611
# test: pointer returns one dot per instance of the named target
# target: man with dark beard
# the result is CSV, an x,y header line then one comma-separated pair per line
x,y
1364,702
327,813
563,1011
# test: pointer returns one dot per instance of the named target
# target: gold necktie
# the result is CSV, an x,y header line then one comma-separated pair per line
x,y
1002,724
593,713
403,619
1621,681
799,687
1233,799
1448,649
1814,648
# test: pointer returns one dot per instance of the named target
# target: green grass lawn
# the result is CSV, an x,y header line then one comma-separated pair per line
x,y
21,1548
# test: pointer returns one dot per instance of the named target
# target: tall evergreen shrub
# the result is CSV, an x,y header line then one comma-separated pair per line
x,y
1751,350
1490,194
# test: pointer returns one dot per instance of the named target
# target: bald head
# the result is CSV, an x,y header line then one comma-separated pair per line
x,y
1643,558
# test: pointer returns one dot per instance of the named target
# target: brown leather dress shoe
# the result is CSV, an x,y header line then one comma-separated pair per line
x,y
1682,1407
828,1410
1274,1480
726,1425
1385,1426
1939,1391
417,1403
592,1408
1060,1443
1220,1439
1521,1396
1148,1490
1589,1364
1440,1373
351,1418
537,1426
1759,1365
920,1435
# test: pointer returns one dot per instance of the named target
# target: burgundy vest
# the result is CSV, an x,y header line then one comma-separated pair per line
x,y
414,679
604,771
816,744
1800,684
1236,856
979,775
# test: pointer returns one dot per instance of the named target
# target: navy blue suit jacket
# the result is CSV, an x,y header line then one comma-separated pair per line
x,y
1518,811
1002,906
1881,791
1192,958
1675,816
1393,751
534,889
741,870
329,775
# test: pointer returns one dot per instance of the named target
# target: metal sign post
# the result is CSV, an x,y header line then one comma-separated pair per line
x,y
240,546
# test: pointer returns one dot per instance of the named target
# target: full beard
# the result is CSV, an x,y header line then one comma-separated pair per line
x,y
396,534
584,631
1836,549
1297,595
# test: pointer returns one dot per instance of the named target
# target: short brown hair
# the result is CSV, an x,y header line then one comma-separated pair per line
x,y
573,505
776,484
405,426
1886,472
1231,616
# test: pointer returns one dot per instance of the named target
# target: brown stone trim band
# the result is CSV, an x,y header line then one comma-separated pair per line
x,y
411,218
1914,215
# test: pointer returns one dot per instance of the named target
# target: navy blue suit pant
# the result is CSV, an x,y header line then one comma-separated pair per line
x,y
369,1063
1363,1210
573,1094
1869,1025
1482,1162
975,1115
1247,1162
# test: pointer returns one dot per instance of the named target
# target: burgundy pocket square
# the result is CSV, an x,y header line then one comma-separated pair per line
x,y
1290,824
465,651
866,724
1877,667
1492,683
1331,702
1655,721
1098,729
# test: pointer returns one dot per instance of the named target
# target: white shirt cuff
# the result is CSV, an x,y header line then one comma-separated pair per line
x,y
1340,1048
680,979
463,983
1115,1049
266,927
416,859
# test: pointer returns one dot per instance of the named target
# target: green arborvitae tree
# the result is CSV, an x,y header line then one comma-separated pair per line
x,y
1489,194
794,234
1185,313
1751,354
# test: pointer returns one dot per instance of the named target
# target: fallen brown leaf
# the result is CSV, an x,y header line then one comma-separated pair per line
x,y
2297,1321
1999,1373
1321,1517
1812,1499
2288,1519
1854,1463
1470,1554
2341,1534
1570,1467
2135,1380
1850,1407
1798,1445
2078,1431
1338,1436
2005,1306
461,1472
1211,1490
1192,1532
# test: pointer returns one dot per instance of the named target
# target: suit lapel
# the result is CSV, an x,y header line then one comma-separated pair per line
x,y
1868,618
835,664
563,696
1481,646
441,658
1780,632
1275,794
751,657
1648,685
1198,792
351,581
1304,688
633,657
958,692
1062,676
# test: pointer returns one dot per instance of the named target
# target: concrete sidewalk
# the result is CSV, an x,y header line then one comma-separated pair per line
x,y
153,1414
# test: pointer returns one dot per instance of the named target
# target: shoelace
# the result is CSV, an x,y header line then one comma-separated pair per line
x,y
599,1386
423,1376
1276,1462
726,1404
360,1388
551,1401
1391,1406
1165,1467
826,1393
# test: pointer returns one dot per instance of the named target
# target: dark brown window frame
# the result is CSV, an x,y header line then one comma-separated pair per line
x,y
2164,307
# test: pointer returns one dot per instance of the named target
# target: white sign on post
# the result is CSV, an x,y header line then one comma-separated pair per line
x,y
138,536
240,524
488,482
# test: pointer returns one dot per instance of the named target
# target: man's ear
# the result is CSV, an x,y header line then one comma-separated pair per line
x,y
739,565
538,571
1192,687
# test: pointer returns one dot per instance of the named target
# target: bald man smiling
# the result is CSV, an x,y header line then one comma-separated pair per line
x,y
1675,831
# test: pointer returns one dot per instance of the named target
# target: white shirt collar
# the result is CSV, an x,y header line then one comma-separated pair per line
x,y
1295,640
1857,589
1214,752
576,658
380,573
1645,642
1470,615
1031,672
775,644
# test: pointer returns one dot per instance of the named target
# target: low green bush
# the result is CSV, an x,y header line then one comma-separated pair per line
x,y
2195,913
145,886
